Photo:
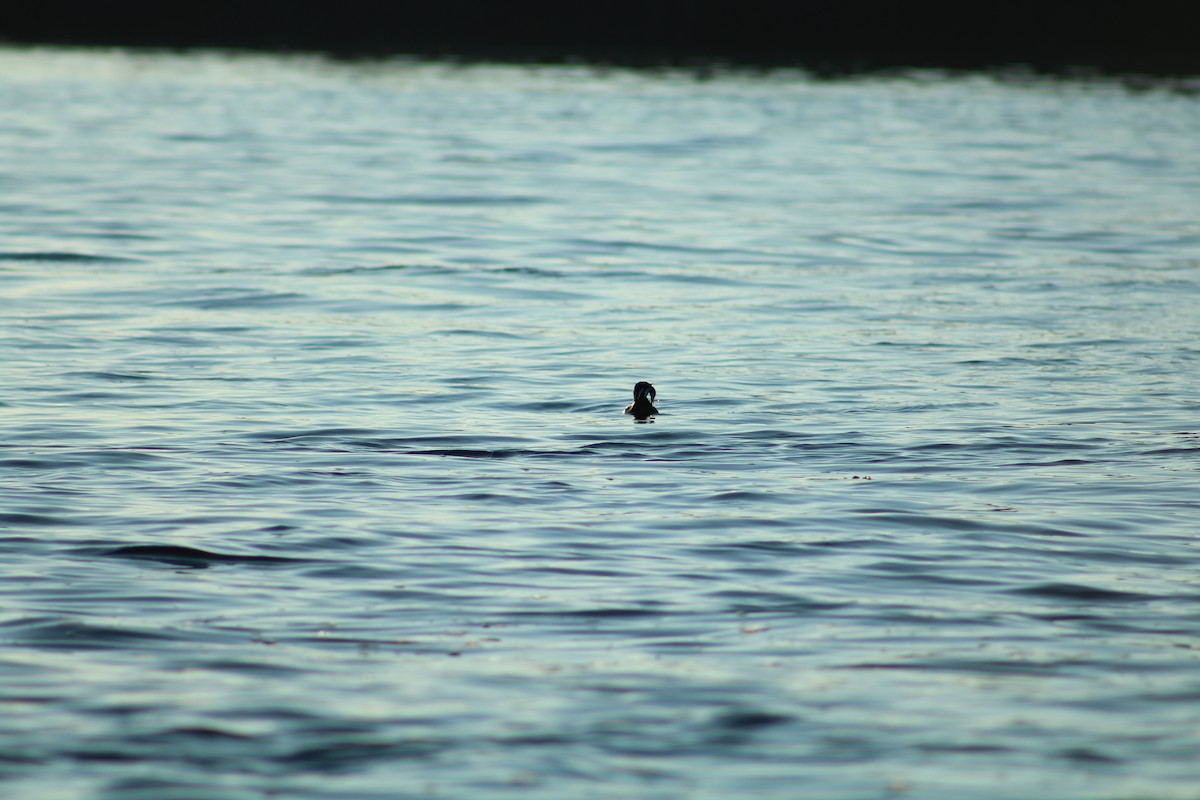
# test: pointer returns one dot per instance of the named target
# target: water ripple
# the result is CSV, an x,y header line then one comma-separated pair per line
x,y
315,479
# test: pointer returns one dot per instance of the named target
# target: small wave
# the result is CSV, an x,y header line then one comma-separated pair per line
x,y
19,518
1083,594
420,269
749,720
313,433
469,453
180,556
774,603
35,463
483,334
541,405
66,634
986,666
234,298
352,755
108,376
64,257
251,668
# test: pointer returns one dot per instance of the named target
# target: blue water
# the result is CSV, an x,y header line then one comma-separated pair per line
x,y
315,482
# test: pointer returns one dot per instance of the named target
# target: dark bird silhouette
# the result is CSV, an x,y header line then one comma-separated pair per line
x,y
643,400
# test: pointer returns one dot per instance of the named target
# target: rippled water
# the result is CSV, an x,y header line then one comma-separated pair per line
x,y
315,482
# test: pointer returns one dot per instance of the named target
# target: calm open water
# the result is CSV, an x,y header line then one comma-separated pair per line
x,y
315,482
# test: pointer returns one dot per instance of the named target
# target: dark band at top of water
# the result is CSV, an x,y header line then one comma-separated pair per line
x,y
1152,37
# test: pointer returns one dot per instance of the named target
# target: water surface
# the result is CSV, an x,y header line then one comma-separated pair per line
x,y
314,481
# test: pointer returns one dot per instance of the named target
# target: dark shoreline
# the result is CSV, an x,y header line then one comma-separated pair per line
x,y
824,37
